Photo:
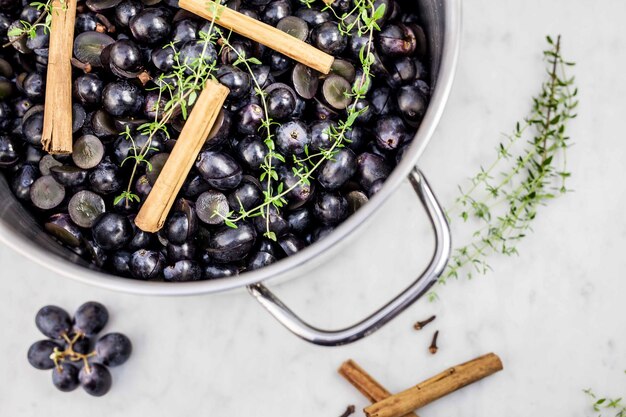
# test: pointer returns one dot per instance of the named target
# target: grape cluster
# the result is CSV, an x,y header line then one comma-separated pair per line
x,y
69,350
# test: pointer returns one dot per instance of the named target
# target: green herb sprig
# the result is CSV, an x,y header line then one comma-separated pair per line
x,y
533,171
268,169
365,25
603,403
178,90
30,29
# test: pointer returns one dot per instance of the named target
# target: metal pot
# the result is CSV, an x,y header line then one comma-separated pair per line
x,y
441,20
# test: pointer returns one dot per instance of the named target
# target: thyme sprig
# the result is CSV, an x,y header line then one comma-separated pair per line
x,y
30,29
603,403
268,173
533,167
365,25
178,90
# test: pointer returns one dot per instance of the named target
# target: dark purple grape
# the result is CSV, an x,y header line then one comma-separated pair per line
x,y
120,261
230,245
194,52
126,10
163,57
65,378
321,134
237,81
320,233
376,187
23,181
180,228
336,91
329,39
219,169
182,271
112,231
330,208
121,98
215,271
157,162
97,254
344,69
250,119
105,178
113,349
184,31
177,253
88,89
221,129
305,81
146,264
103,125
61,226
281,103
412,104
34,86
382,101
252,151
301,192
293,137
276,223
247,195
275,11
89,45
300,221
32,126
290,244
39,354
312,15
294,26
82,346
68,176
337,171
390,133
8,153
87,152
46,193
90,318
396,40
356,200
126,55
212,207
53,322
260,260
370,168
150,26
95,379
123,147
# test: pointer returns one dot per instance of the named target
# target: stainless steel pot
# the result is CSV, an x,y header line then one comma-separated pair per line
x,y
442,23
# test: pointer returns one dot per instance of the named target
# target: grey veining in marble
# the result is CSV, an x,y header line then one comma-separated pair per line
x,y
555,314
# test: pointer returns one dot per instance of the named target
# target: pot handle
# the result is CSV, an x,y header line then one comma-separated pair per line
x,y
385,314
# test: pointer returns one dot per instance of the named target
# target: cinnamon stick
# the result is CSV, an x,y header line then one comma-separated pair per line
x,y
436,387
56,136
155,209
260,32
365,383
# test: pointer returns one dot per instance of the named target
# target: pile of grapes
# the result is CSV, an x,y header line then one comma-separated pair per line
x,y
122,47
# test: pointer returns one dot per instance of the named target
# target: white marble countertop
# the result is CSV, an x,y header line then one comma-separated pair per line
x,y
555,314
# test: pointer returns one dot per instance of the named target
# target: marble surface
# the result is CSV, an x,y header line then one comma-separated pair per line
x,y
555,314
